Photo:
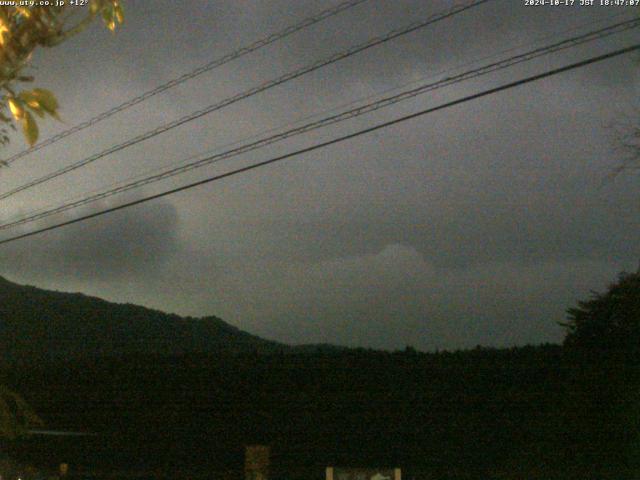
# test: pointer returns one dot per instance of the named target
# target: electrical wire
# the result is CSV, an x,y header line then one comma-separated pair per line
x,y
393,34
343,138
307,22
154,170
352,113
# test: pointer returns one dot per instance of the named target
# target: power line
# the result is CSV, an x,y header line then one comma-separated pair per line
x,y
251,92
343,138
154,170
567,43
348,114
263,42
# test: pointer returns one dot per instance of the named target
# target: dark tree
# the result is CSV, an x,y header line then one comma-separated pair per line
x,y
610,321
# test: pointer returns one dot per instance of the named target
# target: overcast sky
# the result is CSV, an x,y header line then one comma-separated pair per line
x,y
479,224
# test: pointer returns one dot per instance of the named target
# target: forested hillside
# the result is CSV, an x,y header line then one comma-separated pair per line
x,y
172,397
38,324
539,411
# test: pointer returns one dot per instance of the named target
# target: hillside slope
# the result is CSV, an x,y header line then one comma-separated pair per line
x,y
37,324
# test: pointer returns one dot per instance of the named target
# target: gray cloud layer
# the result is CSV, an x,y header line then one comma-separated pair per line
x,y
479,224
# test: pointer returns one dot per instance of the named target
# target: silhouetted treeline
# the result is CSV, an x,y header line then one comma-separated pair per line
x,y
532,412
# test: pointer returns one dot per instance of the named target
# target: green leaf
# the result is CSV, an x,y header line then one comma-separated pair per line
x,y
94,6
47,101
109,20
30,128
33,101
119,12
26,96
37,109
17,110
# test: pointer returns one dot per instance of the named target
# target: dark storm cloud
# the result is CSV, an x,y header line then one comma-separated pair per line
x,y
386,299
117,246
446,198
498,26
479,224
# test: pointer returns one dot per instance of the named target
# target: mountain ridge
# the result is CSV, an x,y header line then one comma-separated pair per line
x,y
36,323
